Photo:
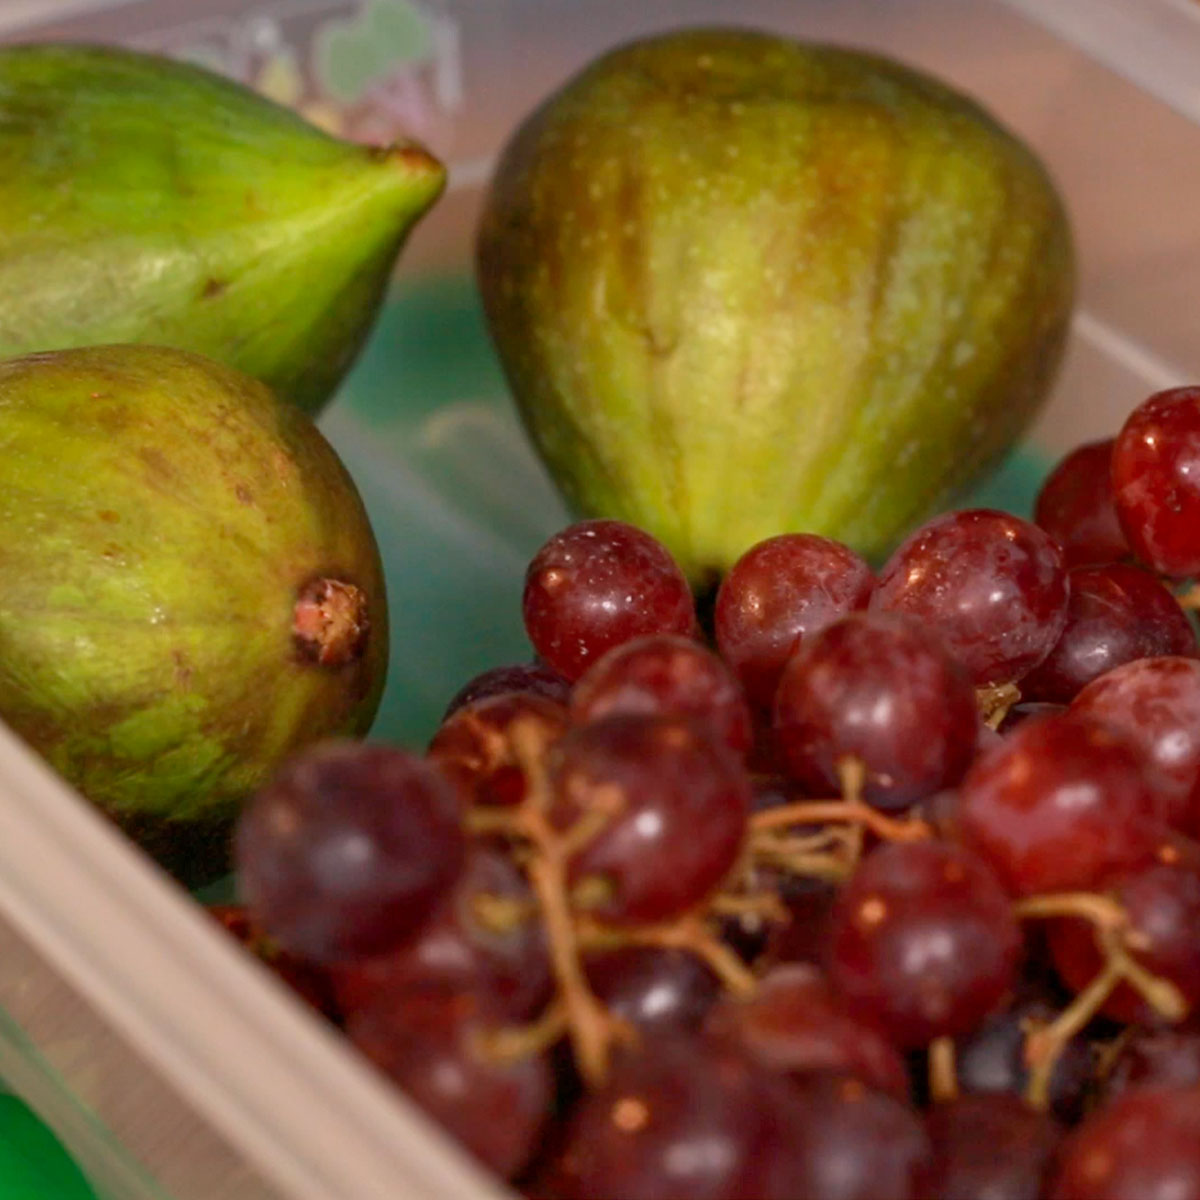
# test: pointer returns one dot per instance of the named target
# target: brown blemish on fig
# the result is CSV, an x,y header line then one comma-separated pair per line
x,y
107,514
330,622
213,288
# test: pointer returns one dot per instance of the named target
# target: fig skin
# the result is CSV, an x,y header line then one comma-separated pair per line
x,y
742,286
192,590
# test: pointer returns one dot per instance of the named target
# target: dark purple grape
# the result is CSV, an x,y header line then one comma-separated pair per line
x,y
1075,507
879,688
349,851
432,1042
1116,614
535,678
681,1116
993,586
778,593
1143,1146
1060,804
653,988
677,803
1162,902
992,1059
474,748
462,950
924,942
990,1147
1154,704
795,1024
598,584
665,675
1156,481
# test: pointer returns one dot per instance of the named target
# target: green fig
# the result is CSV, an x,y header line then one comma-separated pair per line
x,y
148,200
192,590
742,285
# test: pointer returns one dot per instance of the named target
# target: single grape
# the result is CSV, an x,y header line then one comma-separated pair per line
x,y
1156,481
469,946
1059,805
990,1147
537,678
432,1042
662,674
349,851
681,1116
1143,1146
311,983
1154,704
877,687
474,747
1155,1058
856,1144
597,584
675,804
1162,902
1075,507
992,1058
992,585
653,987
778,593
796,1025
924,941
1116,614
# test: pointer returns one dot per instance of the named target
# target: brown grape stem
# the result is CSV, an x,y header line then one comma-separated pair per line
x,y
690,934
1101,911
514,1043
763,906
1189,598
1161,994
943,1071
501,914
994,702
818,812
1044,1047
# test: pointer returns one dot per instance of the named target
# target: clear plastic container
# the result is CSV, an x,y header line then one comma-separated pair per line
x,y
169,1063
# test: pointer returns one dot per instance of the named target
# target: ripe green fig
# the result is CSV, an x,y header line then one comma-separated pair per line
x,y
192,590
742,285
148,200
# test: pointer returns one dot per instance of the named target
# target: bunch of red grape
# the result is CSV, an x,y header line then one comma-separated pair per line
x,y
863,887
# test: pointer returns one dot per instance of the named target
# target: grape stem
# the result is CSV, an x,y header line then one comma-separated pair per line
x,y
1189,598
514,1043
943,1071
995,700
816,812
1101,911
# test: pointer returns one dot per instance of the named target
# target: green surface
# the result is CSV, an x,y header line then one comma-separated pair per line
x,y
33,1164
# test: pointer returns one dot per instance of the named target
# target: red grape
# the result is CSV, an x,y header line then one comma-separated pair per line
x,y
1060,804
794,1024
992,585
880,688
473,748
856,1144
662,674
924,941
537,678
1154,704
676,802
597,584
652,987
1075,507
1155,1058
1116,614
682,1116
1162,902
778,593
432,1042
1143,1146
459,949
1156,481
349,851
990,1147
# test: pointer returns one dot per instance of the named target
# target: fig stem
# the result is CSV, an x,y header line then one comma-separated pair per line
x,y
943,1070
